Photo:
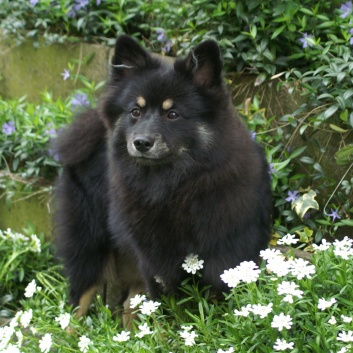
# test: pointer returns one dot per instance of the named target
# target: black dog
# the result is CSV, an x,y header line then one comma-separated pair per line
x,y
164,168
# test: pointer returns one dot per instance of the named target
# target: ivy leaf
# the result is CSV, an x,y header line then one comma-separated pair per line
x,y
304,203
305,235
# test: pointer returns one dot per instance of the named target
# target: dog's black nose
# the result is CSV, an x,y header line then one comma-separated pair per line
x,y
143,143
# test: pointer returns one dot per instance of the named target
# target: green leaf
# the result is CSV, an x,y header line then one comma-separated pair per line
x,y
304,203
344,155
337,128
330,111
305,235
278,31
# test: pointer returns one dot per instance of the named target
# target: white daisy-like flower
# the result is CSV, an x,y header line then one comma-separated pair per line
x,y
288,239
345,337
26,318
325,245
261,310
148,307
332,320
279,266
123,336
343,350
83,343
45,343
11,348
346,319
192,264
269,254
231,277
244,311
343,248
35,244
289,289
19,336
281,321
63,320
249,272
282,345
188,335
31,289
230,350
325,304
6,333
144,330
137,300
301,268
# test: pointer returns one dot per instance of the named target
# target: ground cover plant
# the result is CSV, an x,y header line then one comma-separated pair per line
x,y
286,304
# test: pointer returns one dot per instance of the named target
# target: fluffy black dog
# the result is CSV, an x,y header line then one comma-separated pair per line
x,y
164,168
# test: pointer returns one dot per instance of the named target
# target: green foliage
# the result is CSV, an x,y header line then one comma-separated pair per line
x,y
21,256
319,306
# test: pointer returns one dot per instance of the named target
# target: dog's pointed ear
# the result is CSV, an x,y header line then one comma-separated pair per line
x,y
128,57
204,64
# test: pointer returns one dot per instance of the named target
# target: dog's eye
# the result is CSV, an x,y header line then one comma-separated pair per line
x,y
173,115
135,112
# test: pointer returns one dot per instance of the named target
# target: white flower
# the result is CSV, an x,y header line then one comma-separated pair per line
x,y
45,343
35,242
137,300
11,348
144,330
192,264
89,322
289,289
278,266
188,335
230,350
301,268
19,336
15,319
63,320
26,318
123,336
282,345
149,307
281,321
269,254
343,248
31,289
325,304
343,350
345,337
83,343
288,239
244,311
323,246
332,320
231,277
247,272
6,333
262,310
346,319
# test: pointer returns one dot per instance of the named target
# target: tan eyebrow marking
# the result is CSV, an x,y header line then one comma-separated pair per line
x,y
167,104
141,102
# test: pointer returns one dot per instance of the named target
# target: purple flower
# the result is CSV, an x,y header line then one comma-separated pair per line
x,y
161,35
304,41
8,128
98,2
80,100
53,154
292,196
167,46
346,9
253,135
65,74
33,2
52,132
272,169
78,5
334,215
